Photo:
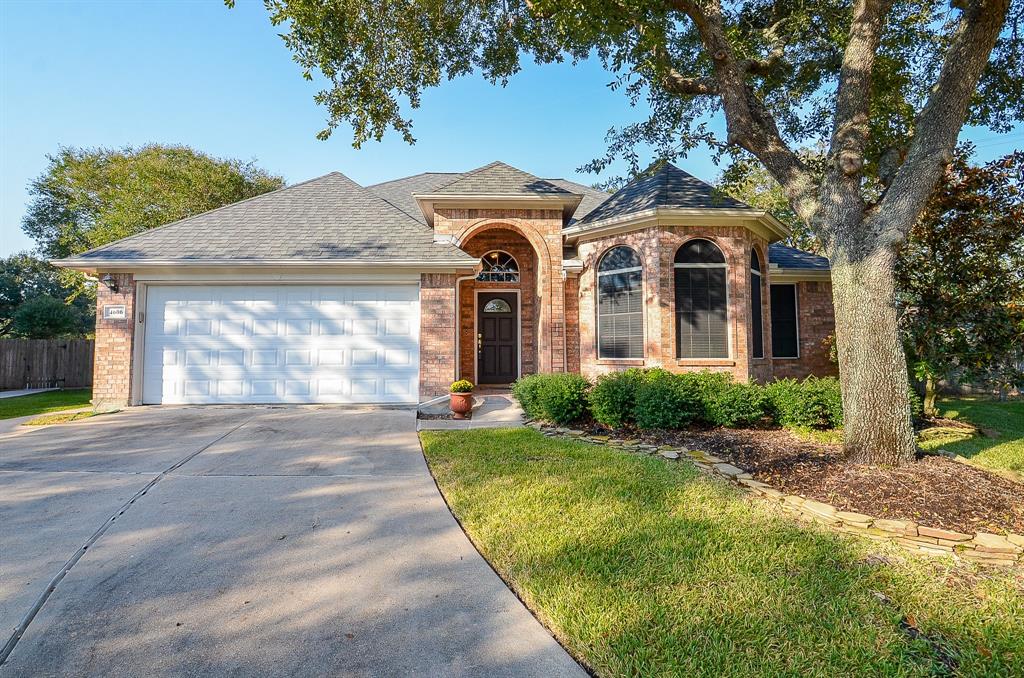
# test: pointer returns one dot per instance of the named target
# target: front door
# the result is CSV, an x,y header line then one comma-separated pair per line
x,y
497,338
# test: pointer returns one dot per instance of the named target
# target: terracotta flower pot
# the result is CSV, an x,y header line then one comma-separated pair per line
x,y
461,403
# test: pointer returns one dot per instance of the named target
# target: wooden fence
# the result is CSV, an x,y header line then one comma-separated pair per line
x,y
45,363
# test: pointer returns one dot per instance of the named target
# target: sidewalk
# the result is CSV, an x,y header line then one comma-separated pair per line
x,y
490,410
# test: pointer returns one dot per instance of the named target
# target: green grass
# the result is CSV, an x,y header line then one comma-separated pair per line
x,y
1003,453
42,403
64,417
644,567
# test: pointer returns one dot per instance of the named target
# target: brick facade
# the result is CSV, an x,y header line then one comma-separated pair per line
x,y
558,313
437,333
657,247
542,229
112,360
506,240
816,322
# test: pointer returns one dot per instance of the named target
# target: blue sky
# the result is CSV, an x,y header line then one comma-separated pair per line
x,y
196,73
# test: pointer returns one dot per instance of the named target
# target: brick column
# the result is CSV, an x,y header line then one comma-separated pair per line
x,y
112,362
437,333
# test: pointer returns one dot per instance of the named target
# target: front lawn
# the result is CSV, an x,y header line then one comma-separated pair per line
x,y
1005,452
42,403
645,567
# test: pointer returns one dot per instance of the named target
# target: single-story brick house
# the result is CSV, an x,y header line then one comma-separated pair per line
x,y
327,291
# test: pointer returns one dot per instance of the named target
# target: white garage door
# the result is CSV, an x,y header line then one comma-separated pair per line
x,y
281,344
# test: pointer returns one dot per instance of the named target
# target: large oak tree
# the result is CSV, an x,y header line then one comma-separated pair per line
x,y
883,85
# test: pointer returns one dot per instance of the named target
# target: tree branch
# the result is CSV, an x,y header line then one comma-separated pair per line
x,y
939,123
750,125
677,83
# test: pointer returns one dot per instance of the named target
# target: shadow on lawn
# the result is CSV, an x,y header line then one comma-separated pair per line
x,y
643,567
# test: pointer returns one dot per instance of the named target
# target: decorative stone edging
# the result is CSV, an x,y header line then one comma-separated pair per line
x,y
984,547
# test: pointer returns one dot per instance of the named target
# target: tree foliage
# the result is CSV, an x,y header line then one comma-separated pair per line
x,y
90,197
961,276
24,277
44,317
883,86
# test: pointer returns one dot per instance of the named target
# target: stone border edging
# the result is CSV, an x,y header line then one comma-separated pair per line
x,y
983,547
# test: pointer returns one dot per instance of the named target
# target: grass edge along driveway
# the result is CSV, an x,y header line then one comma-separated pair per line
x,y
642,567
44,402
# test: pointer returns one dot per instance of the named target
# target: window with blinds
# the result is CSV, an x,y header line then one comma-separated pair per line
x,y
620,304
755,305
785,326
702,320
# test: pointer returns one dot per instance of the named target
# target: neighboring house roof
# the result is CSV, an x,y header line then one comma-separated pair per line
x,y
497,178
661,186
792,258
327,219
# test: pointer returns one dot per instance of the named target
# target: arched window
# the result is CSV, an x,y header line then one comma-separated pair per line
x,y
702,322
499,266
620,304
755,304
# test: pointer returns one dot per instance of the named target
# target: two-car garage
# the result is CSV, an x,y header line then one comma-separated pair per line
x,y
220,344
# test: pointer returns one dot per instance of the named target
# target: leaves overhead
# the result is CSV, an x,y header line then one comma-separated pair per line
x,y
90,197
379,57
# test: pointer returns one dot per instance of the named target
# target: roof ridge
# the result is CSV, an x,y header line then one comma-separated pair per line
x,y
411,176
466,175
210,211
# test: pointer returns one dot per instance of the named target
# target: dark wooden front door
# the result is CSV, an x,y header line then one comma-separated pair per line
x,y
497,338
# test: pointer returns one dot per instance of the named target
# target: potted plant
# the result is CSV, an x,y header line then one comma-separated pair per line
x,y
461,398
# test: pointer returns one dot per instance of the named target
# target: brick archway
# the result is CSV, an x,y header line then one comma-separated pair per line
x,y
549,317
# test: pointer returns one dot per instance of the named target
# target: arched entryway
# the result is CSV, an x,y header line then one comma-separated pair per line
x,y
499,309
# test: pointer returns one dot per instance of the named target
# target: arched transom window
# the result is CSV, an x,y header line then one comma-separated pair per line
x,y
620,304
755,304
499,266
702,322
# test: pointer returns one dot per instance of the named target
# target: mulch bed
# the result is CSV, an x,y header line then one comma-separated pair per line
x,y
935,491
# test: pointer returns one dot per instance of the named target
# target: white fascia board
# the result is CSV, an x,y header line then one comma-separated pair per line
x,y
759,221
115,265
790,275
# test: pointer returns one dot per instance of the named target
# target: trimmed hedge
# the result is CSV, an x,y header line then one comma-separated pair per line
x,y
657,398
663,400
561,398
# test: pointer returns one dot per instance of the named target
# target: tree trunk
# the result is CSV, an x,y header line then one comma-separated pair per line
x,y
929,397
872,365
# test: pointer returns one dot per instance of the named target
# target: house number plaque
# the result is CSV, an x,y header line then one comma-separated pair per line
x,y
115,313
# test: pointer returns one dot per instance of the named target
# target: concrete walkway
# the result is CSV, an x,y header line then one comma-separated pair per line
x,y
496,409
270,541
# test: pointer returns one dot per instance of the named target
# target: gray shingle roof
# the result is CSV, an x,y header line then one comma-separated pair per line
x,y
400,192
662,185
498,178
330,218
790,257
592,197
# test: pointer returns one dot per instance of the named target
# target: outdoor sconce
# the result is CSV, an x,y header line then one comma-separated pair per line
x,y
110,282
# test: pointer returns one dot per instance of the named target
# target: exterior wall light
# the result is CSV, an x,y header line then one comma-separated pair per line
x,y
110,282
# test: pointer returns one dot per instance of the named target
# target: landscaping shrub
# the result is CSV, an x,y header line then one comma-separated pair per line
x,y
525,391
665,400
559,398
614,396
811,403
735,405
706,385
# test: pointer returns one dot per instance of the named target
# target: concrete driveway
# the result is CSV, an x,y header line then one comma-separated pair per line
x,y
274,541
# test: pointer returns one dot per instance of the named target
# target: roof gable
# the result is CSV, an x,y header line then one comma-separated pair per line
x,y
662,185
496,179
